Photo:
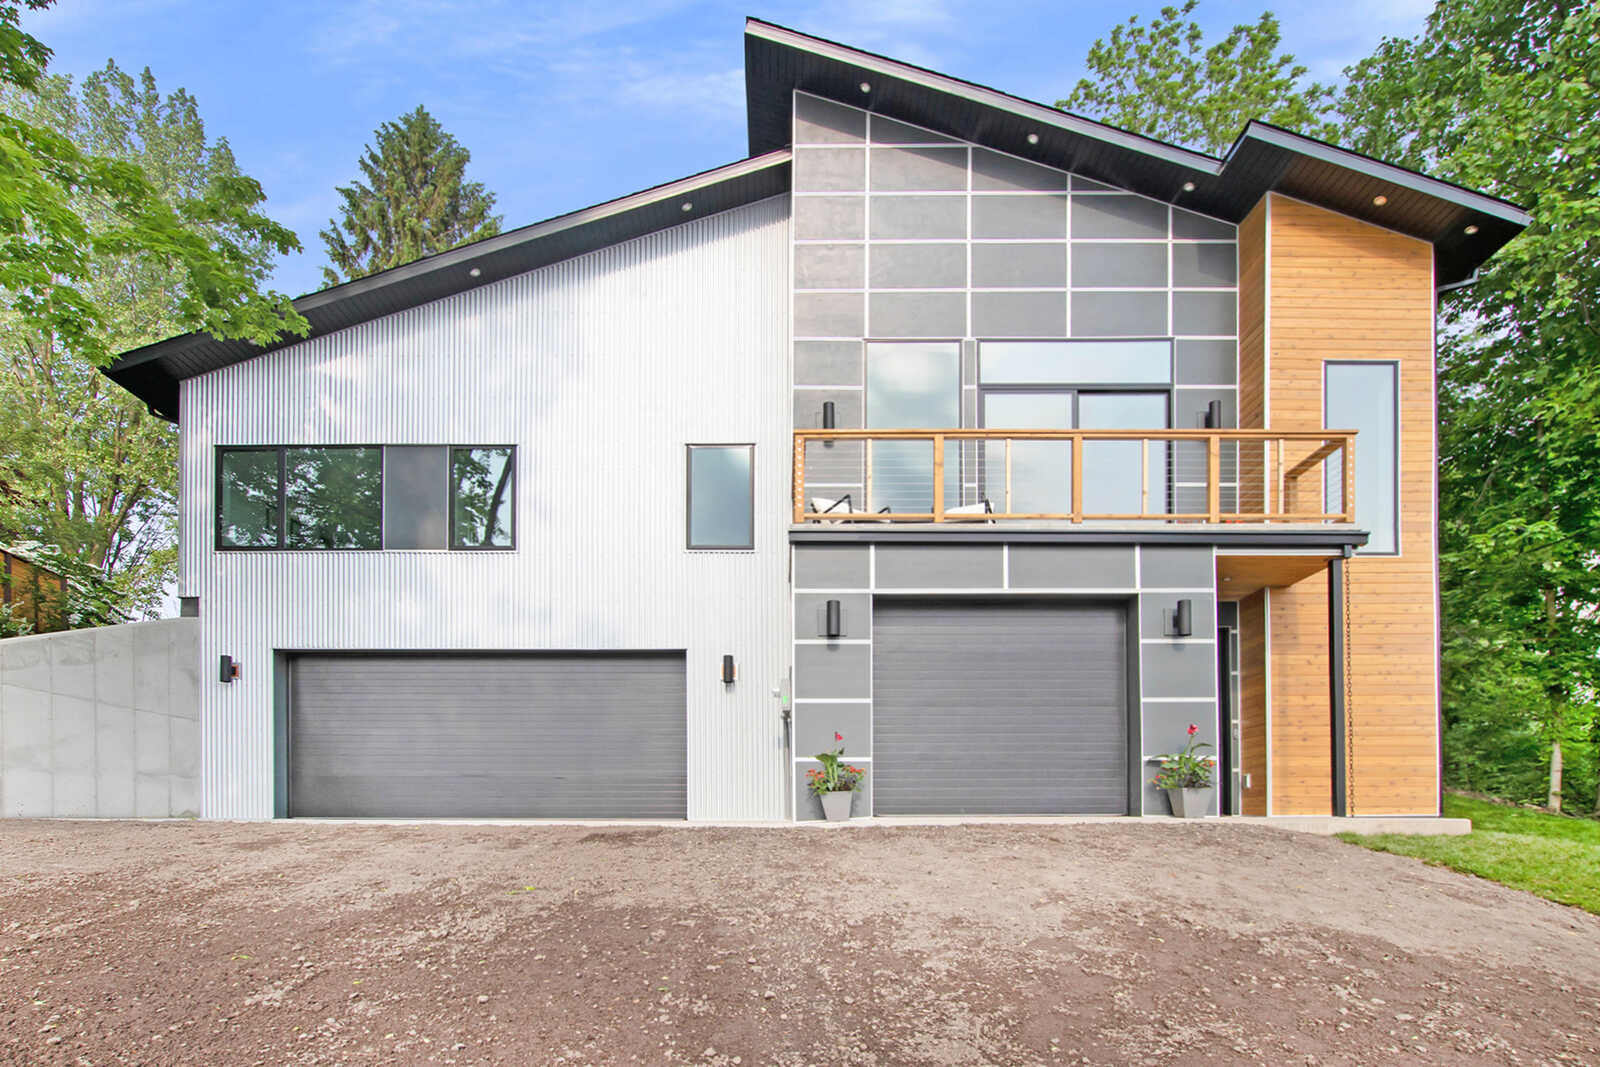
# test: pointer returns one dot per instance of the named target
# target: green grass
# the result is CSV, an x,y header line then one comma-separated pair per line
x,y
1553,856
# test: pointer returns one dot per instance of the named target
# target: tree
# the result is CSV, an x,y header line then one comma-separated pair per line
x,y
415,201
1499,95
1163,81
119,225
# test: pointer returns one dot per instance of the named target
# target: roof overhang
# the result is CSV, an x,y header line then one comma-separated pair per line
x,y
153,373
1264,159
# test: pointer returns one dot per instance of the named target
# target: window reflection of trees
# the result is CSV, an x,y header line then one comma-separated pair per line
x,y
482,498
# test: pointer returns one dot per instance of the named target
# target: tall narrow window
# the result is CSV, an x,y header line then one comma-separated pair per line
x,y
912,385
333,497
482,497
722,497
1364,396
249,500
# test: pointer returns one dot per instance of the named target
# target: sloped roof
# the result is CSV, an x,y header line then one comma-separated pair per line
x,y
779,61
152,373
1263,159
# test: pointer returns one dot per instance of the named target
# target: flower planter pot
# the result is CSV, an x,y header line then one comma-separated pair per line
x,y
836,805
1190,803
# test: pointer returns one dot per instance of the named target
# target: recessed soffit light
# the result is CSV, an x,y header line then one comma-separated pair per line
x,y
1380,200
1033,138
688,205
866,87
1188,187
1471,229
475,272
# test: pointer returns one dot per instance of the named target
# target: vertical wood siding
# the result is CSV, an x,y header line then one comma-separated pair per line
x,y
601,369
1341,289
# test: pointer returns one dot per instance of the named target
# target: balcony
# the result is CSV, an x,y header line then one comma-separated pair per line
x,y
1074,476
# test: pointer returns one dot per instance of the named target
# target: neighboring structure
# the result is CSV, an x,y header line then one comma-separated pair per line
x,y
30,592
1007,444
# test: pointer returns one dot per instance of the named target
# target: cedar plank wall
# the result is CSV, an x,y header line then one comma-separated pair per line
x,y
1253,702
1339,288
1252,613
34,592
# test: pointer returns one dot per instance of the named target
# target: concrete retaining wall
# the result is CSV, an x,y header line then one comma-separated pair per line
x,y
102,722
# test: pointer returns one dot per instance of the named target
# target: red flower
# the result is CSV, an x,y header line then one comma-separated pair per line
x,y
837,736
1193,729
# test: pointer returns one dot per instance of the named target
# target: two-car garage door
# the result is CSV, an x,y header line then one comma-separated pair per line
x,y
999,707
536,735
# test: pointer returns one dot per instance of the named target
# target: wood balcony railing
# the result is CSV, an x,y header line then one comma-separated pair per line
x,y
986,475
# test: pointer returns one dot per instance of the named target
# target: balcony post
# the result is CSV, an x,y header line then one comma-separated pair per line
x,y
799,479
1214,477
1347,455
938,477
1077,477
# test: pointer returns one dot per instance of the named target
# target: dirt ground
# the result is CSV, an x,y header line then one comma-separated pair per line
x,y
270,944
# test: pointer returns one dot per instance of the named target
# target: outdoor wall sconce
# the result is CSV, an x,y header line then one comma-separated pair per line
x,y
1182,619
828,418
229,670
835,625
727,670
1214,415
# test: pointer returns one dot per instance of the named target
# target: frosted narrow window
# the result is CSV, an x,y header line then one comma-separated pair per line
x,y
721,497
1365,397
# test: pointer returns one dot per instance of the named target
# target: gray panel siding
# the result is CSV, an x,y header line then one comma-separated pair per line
x,y
831,566
1071,567
815,725
1176,568
1179,669
938,567
543,736
999,708
855,616
832,672
600,562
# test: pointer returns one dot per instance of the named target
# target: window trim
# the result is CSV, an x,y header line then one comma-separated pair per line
x,y
218,451
1394,369
688,496
450,505
216,529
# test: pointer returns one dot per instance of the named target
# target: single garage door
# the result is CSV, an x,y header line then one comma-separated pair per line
x,y
999,708
537,735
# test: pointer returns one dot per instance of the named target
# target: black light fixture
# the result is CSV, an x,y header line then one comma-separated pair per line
x,y
727,670
1213,415
228,671
835,625
1182,619
828,418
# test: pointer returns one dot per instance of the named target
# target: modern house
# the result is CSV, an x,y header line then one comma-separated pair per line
x,y
1004,443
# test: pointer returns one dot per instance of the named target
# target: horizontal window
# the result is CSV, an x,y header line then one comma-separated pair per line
x,y
365,497
1075,362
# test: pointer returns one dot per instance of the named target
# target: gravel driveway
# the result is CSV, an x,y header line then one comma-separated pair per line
x,y
1102,943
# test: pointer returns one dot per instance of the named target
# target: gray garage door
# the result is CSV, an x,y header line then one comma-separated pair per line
x,y
558,735
999,708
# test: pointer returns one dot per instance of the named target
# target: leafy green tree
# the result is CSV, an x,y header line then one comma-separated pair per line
x,y
415,201
1500,95
119,225
1162,80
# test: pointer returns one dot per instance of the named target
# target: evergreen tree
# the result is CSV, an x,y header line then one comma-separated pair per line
x,y
414,202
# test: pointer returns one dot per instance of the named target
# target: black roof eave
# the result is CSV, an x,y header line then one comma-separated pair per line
x,y
1264,158
153,372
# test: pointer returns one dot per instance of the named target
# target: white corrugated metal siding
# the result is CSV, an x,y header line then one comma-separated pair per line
x,y
601,369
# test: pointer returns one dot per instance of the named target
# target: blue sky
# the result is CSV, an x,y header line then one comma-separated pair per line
x,y
566,103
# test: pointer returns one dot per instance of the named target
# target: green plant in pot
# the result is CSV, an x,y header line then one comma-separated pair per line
x,y
1186,777
835,782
